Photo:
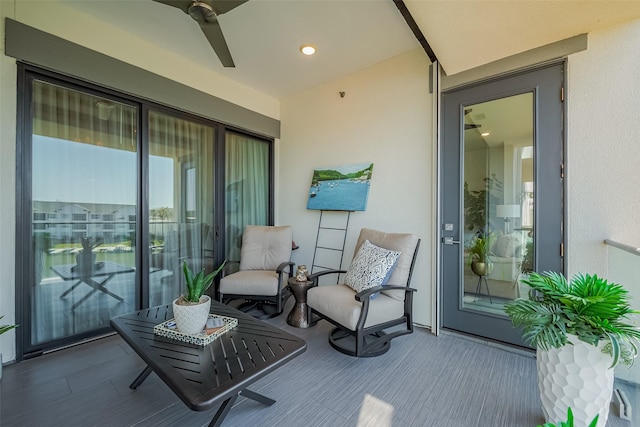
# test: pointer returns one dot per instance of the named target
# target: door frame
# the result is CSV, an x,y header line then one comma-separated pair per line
x,y
439,301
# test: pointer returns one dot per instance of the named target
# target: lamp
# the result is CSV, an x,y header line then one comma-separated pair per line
x,y
507,212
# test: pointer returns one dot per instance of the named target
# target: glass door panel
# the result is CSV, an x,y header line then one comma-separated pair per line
x,y
246,190
498,148
84,192
181,203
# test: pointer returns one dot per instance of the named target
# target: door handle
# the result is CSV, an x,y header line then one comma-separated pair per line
x,y
450,241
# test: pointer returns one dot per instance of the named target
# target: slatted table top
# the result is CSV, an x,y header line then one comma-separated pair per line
x,y
103,268
203,377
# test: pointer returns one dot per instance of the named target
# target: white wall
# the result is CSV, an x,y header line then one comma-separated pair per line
x,y
70,24
603,151
385,117
7,191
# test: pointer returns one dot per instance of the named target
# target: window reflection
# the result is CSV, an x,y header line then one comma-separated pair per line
x,y
498,201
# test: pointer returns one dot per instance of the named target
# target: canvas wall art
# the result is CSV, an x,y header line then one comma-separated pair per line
x,y
340,188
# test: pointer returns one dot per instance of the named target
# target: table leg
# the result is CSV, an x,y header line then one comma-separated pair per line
x,y
140,378
257,397
223,410
96,287
75,285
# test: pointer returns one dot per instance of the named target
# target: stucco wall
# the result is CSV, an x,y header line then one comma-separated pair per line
x,y
384,118
603,147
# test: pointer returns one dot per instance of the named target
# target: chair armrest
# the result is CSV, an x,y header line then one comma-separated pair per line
x,y
314,277
368,292
284,265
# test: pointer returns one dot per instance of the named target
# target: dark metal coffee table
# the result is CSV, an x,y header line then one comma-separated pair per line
x,y
216,374
105,269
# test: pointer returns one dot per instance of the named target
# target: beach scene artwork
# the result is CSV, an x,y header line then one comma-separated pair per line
x,y
340,188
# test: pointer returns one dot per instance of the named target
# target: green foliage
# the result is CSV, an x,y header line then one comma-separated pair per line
x,y
589,307
331,175
89,244
198,284
476,202
480,247
569,422
6,328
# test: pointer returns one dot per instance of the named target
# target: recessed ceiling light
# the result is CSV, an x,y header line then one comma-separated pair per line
x,y
308,49
485,134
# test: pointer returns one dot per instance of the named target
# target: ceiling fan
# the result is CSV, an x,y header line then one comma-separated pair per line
x,y
205,13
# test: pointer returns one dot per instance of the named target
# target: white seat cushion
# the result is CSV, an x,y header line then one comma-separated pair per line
x,y
338,303
250,282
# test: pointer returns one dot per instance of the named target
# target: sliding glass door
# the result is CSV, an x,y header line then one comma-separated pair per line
x,y
83,201
113,195
181,202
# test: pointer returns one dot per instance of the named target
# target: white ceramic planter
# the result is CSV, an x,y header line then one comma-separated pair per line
x,y
576,376
191,319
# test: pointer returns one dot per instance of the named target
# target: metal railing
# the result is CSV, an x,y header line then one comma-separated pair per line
x,y
623,266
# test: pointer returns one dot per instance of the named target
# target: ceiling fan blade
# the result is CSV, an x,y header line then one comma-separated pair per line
x,y
471,126
183,5
213,32
224,6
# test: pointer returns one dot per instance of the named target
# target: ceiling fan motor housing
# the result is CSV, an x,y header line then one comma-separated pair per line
x,y
202,12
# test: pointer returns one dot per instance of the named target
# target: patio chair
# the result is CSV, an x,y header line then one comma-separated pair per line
x,y
264,268
374,296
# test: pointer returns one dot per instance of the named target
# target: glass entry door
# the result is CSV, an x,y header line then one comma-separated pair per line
x,y
502,210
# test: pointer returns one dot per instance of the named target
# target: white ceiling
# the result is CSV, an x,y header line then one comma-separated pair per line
x,y
466,34
264,35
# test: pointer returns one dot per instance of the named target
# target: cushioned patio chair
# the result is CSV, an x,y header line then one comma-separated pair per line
x,y
264,268
363,308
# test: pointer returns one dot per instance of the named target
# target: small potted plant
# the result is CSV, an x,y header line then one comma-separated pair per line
x,y
86,258
191,309
581,331
479,254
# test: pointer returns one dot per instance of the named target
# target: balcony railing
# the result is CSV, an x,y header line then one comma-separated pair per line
x,y
623,264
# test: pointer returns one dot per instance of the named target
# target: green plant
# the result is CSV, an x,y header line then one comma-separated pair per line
x,y
6,328
480,247
476,202
89,244
588,306
198,284
569,422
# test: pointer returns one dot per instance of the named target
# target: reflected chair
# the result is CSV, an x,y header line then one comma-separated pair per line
x,y
367,313
264,268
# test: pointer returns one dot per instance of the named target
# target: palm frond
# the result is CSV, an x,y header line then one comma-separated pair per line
x,y
587,306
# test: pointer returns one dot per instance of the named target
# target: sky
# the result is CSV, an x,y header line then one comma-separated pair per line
x,y
68,171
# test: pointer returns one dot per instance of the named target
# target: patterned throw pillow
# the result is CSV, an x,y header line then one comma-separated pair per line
x,y
371,267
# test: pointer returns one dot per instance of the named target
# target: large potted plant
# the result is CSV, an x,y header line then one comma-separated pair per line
x,y
191,310
3,329
581,330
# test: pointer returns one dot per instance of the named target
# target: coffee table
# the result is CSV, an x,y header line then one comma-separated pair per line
x,y
104,269
214,375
